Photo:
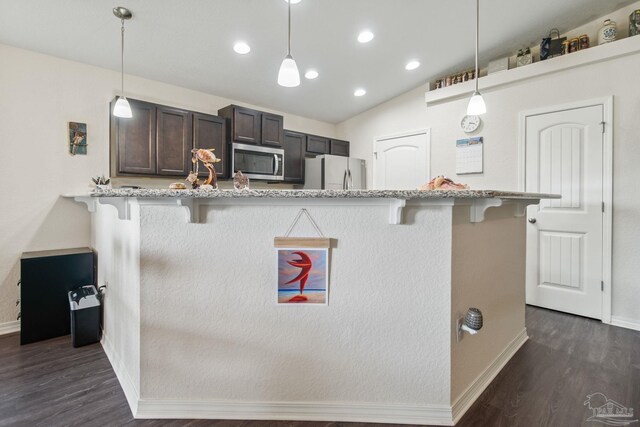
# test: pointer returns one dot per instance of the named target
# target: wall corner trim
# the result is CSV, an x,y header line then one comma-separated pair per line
x,y
473,392
624,322
128,386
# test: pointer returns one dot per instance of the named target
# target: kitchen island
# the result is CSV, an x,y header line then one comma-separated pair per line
x,y
192,328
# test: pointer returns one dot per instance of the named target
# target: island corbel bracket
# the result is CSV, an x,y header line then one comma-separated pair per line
x,y
87,200
121,204
480,206
192,208
395,210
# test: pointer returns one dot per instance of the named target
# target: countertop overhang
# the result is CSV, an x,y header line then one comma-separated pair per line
x,y
478,200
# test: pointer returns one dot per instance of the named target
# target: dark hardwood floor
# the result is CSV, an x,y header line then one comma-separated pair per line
x,y
545,384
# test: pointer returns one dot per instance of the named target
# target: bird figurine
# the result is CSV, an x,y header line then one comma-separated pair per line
x,y
206,156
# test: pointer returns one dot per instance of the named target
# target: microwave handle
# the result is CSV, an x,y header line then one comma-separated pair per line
x,y
277,164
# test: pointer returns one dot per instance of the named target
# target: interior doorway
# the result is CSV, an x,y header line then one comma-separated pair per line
x,y
401,161
567,150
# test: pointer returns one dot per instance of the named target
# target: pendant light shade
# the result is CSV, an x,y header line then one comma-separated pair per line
x,y
289,76
122,108
476,103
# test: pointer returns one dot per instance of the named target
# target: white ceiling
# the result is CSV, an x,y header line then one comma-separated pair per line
x,y
189,42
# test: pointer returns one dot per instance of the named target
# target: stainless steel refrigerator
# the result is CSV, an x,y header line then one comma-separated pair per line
x,y
329,172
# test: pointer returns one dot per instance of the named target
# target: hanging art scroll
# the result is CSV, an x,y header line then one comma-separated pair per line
x,y
303,266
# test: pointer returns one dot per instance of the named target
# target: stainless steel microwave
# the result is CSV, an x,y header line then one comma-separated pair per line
x,y
258,162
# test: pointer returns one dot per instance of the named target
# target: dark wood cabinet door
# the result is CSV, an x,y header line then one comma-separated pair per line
x,y
245,125
272,129
209,132
136,140
317,144
173,141
294,149
339,148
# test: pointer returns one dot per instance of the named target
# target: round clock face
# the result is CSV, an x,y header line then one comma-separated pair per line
x,y
470,123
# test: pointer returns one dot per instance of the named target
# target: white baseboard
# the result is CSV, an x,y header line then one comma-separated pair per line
x,y
471,394
127,384
296,411
9,327
625,323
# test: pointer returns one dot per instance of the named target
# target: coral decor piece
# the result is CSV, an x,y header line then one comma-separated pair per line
x,y
240,182
441,182
207,158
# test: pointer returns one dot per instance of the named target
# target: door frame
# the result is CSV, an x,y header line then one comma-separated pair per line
x,y
425,131
607,181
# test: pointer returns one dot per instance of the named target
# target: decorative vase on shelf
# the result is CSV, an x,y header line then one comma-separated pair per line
x,y
608,32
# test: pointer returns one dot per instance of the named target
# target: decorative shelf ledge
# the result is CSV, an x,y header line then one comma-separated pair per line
x,y
593,55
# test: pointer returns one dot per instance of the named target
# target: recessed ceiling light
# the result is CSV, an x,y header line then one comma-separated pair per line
x,y
359,92
293,1
311,74
242,48
412,65
365,36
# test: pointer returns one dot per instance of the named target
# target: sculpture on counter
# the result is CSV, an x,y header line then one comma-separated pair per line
x,y
441,182
207,158
304,264
240,182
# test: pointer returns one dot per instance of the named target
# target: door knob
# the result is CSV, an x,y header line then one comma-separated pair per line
x,y
532,220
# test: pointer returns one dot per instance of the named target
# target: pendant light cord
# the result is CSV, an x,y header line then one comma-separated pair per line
x,y
122,56
289,41
477,36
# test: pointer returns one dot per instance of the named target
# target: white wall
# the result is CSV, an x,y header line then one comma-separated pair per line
x,y
39,94
500,131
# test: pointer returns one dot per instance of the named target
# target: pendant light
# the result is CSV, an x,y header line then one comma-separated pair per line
x,y
476,103
122,107
288,76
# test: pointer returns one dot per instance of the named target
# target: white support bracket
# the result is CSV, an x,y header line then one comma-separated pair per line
x,y
395,210
87,200
520,206
192,209
121,204
480,206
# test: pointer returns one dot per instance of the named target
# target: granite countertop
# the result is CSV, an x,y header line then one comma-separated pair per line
x,y
322,194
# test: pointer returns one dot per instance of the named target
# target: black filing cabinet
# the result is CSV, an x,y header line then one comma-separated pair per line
x,y
47,277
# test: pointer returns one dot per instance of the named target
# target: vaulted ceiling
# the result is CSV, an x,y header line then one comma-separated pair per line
x,y
189,43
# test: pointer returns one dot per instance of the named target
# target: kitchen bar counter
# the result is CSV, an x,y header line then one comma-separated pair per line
x,y
322,194
193,330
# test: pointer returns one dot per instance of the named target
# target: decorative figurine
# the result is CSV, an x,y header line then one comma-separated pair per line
x,y
240,182
207,157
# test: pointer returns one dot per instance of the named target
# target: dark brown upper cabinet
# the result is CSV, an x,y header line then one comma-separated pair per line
x,y
134,140
174,141
209,132
317,144
248,126
157,140
294,151
339,148
272,129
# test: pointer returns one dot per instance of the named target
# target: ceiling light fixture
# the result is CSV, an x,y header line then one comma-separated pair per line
x,y
359,92
122,107
476,103
365,36
311,74
289,76
241,48
412,65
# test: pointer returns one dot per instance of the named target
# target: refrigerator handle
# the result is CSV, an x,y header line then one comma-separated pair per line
x,y
344,180
350,181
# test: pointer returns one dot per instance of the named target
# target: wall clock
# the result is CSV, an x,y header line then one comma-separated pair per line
x,y
470,124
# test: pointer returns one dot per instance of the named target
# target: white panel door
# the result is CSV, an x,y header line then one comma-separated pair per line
x,y
401,162
564,152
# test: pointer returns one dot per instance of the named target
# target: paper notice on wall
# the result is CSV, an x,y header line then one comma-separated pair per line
x,y
469,155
